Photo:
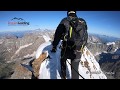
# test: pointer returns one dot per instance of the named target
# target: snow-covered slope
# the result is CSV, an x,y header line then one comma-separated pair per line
x,y
111,43
50,67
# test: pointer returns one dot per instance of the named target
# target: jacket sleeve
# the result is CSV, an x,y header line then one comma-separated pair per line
x,y
58,34
86,33
84,23
86,38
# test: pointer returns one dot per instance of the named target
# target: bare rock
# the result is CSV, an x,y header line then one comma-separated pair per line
x,y
37,63
21,72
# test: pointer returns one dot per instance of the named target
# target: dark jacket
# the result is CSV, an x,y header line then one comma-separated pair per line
x,y
62,29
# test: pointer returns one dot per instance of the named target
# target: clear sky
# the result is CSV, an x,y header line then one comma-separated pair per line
x,y
99,22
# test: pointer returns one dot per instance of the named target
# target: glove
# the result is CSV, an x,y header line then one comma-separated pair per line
x,y
53,49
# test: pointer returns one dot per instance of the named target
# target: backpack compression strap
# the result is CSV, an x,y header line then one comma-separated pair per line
x,y
70,31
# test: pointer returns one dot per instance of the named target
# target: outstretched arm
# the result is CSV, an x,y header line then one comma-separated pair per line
x,y
58,34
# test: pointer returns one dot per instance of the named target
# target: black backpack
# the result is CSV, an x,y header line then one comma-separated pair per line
x,y
77,34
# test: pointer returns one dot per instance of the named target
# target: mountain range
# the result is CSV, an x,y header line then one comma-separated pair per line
x,y
18,51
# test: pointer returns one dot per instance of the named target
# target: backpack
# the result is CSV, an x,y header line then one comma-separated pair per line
x,y
77,34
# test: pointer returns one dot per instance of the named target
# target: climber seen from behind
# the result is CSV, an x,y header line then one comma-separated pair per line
x,y
72,30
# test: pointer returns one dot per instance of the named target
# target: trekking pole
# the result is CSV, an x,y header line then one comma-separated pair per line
x,y
76,71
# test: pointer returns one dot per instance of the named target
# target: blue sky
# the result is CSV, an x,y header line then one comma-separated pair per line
x,y
99,22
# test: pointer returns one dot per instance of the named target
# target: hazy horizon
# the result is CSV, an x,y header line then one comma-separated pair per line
x,y
99,22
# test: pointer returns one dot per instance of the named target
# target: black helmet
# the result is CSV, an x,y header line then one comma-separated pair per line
x,y
71,13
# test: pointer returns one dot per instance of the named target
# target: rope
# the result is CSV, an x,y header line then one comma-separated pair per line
x,y
76,70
